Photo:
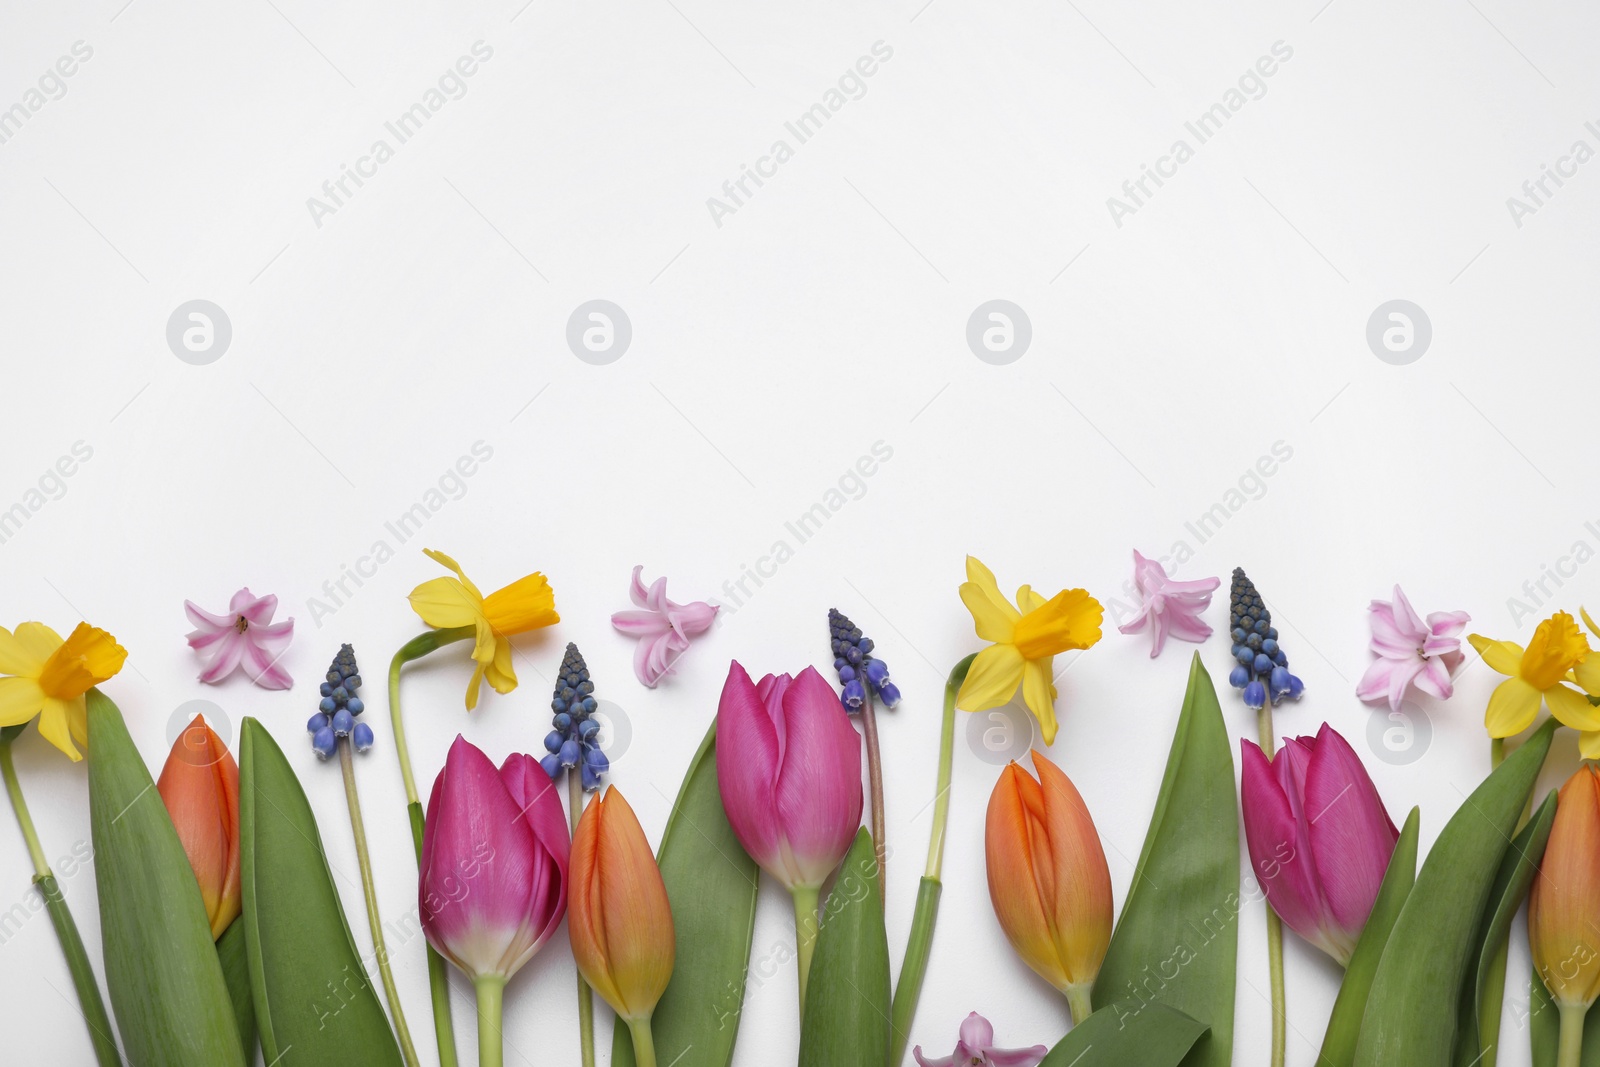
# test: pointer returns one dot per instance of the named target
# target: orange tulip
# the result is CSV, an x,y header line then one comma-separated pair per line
x,y
1564,904
200,786
617,911
1048,878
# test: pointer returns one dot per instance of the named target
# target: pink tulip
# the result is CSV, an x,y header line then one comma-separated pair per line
x,y
1319,836
493,886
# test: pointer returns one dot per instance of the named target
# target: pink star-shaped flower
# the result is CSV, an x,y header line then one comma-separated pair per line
x,y
664,628
1169,607
975,1048
245,637
1411,652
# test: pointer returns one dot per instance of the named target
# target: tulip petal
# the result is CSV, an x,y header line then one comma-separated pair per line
x,y
818,791
748,757
1013,834
1352,836
1561,903
1279,859
200,786
1081,900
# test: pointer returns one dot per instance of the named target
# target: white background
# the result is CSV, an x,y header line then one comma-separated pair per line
x,y
769,353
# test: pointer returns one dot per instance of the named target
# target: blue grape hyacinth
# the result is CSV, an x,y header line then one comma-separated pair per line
x,y
1262,668
337,712
574,741
857,667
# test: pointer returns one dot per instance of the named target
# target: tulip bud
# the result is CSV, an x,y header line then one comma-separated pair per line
x,y
621,922
200,786
493,883
1048,878
1564,903
1319,837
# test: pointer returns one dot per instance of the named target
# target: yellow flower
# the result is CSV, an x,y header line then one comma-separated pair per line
x,y
1556,651
1025,643
49,677
447,603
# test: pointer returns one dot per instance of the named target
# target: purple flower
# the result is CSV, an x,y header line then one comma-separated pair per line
x,y
1411,652
1169,607
975,1048
245,637
663,627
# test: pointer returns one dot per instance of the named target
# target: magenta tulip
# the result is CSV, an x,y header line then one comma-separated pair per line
x,y
493,886
1319,836
789,769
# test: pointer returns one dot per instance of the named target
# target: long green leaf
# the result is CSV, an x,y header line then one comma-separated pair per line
x,y
1157,1037
315,1005
846,1022
1413,1009
1176,942
711,884
1344,1025
166,982
235,959
1478,1038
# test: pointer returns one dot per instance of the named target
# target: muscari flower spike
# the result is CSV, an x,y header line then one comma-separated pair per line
x,y
575,740
853,659
1262,664
336,714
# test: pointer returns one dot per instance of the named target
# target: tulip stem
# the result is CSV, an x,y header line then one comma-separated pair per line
x,y
1280,1017
644,1043
491,1041
358,827
438,979
1078,1002
1570,1051
880,839
805,933
44,881
585,996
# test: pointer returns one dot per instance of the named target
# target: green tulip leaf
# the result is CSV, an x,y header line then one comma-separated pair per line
x,y
1483,993
236,970
846,1021
1414,1007
314,1003
711,884
1157,1037
1344,1025
1176,942
166,982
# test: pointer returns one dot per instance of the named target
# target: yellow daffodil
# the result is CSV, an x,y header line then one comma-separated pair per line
x,y
1026,639
447,603
1555,653
49,677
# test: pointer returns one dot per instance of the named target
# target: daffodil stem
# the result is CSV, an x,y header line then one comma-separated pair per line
x,y
644,1042
1570,1051
444,1029
585,996
1079,1004
880,840
358,828
805,933
44,882
1280,1019
947,749
491,1040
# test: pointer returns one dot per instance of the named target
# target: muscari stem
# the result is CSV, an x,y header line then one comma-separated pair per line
x,y
644,1043
1280,1019
44,880
805,933
585,996
438,978
880,840
380,949
919,943
491,1041
1570,1051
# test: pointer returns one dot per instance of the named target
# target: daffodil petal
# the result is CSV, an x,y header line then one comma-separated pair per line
x,y
1589,744
1512,708
1572,708
983,579
17,658
38,639
499,672
20,700
1587,674
55,727
1027,599
474,685
1504,657
445,603
1039,695
992,680
990,621
445,561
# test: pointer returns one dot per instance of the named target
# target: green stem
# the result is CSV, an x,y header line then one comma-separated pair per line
x,y
1570,1051
585,996
1280,1018
44,880
491,1041
359,828
644,1043
880,839
1493,996
444,1029
1078,1002
947,746
805,933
